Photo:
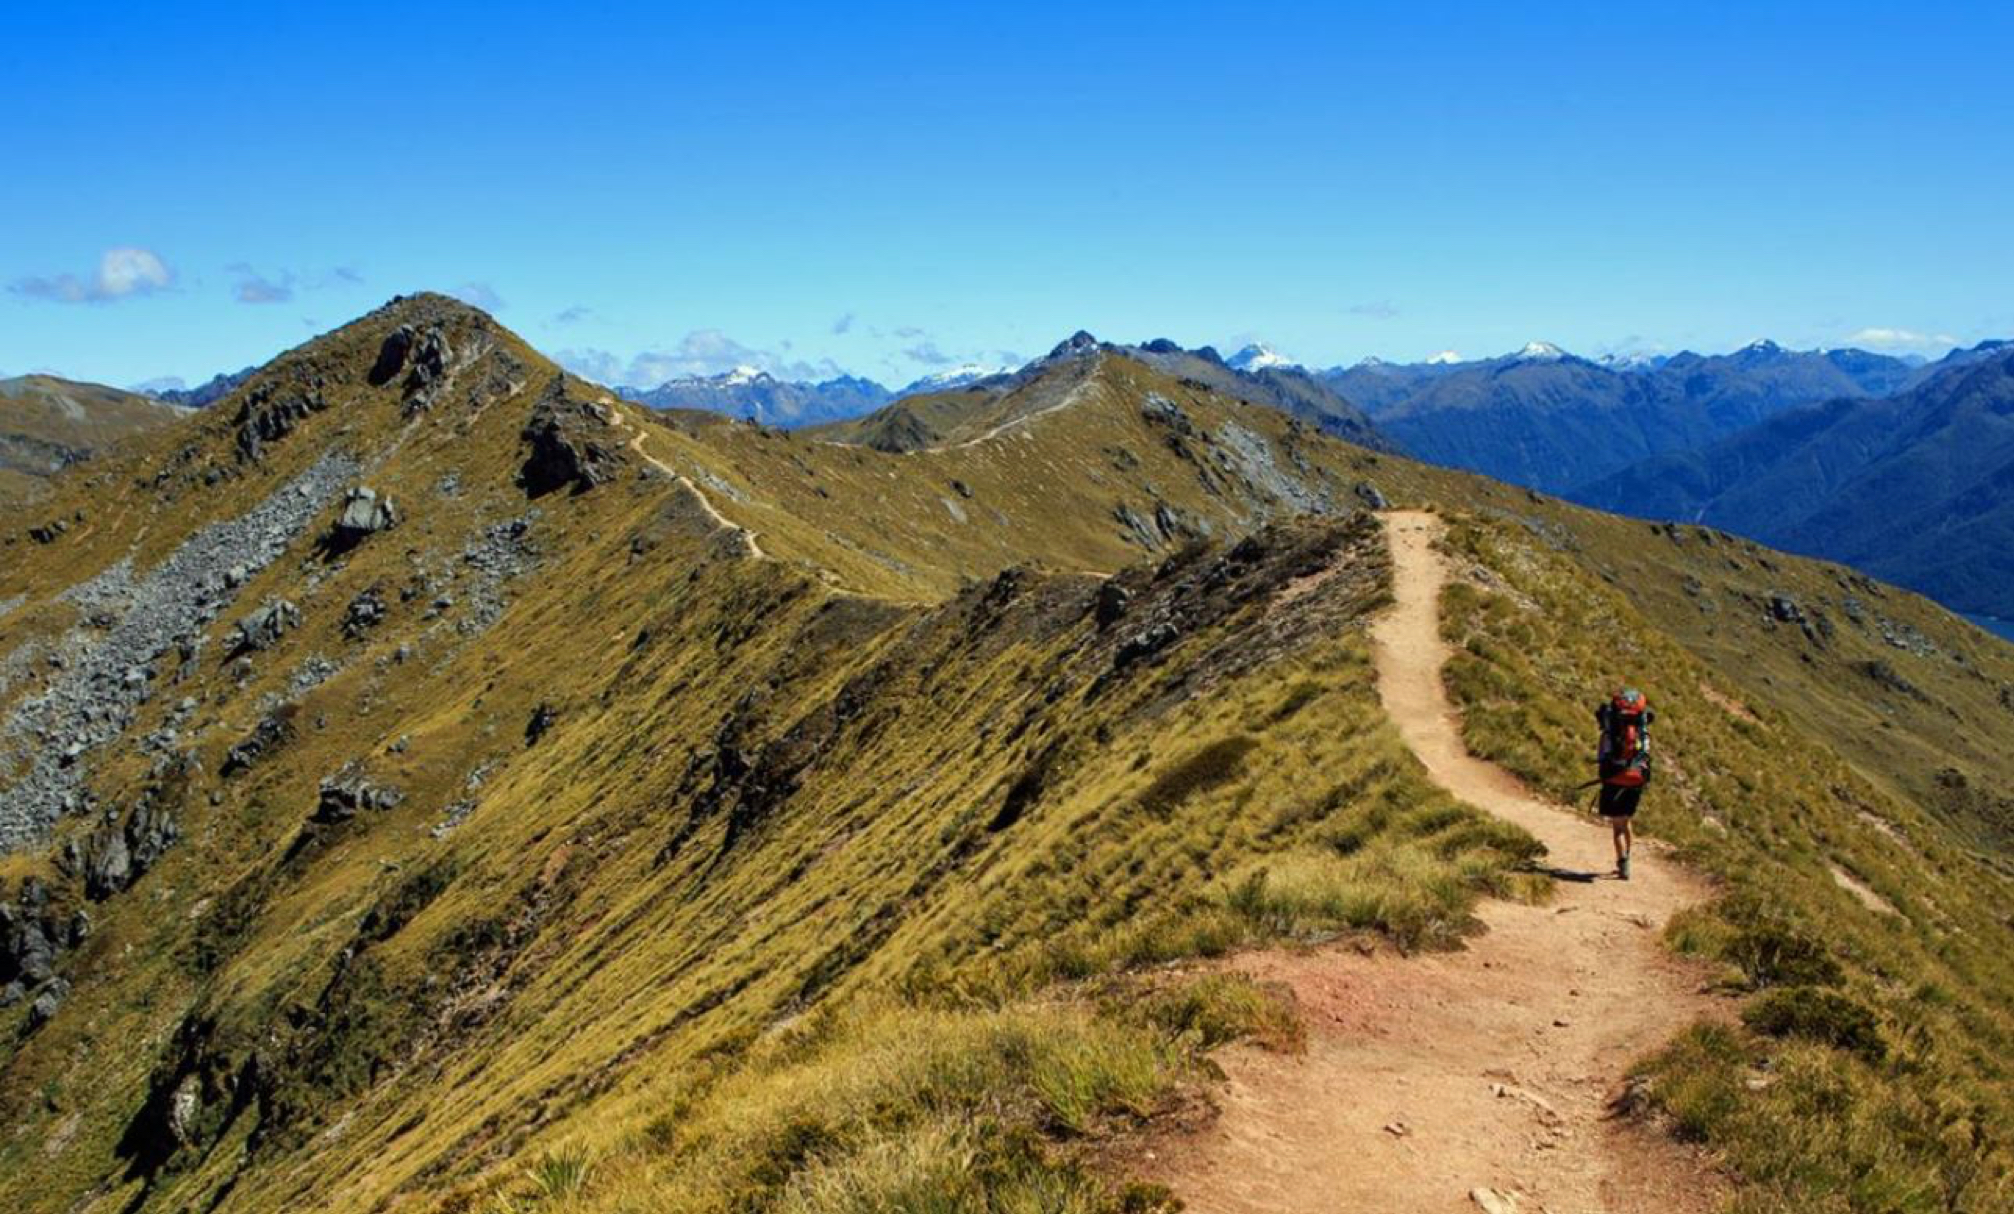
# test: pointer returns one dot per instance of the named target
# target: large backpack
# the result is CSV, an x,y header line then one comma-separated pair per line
x,y
1625,739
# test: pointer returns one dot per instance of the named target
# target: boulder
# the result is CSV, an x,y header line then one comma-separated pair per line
x,y
364,514
265,625
272,732
542,719
1112,601
364,613
1371,497
47,1002
392,355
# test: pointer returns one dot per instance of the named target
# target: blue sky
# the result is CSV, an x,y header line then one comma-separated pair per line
x,y
887,188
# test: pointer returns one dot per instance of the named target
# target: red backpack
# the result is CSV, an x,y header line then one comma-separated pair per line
x,y
1625,739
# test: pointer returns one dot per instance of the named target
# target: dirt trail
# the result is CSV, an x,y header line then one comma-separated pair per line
x,y
748,541
1480,1079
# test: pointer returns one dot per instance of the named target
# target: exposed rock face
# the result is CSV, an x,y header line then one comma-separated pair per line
x,y
571,447
1162,411
271,412
108,866
263,627
1371,497
428,361
347,792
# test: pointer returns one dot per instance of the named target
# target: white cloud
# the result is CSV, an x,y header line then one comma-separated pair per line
x,y
123,272
1899,339
479,295
700,352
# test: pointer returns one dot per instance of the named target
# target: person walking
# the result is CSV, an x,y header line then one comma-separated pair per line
x,y
1623,764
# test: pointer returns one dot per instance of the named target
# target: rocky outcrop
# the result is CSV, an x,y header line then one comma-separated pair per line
x,y
273,731
33,930
346,793
570,445
272,411
425,357
263,627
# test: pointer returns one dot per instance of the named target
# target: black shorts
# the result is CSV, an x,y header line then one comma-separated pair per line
x,y
1619,800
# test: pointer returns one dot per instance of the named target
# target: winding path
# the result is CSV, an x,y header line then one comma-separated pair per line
x,y
1479,1079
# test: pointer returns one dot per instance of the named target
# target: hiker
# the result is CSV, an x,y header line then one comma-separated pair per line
x,y
1624,766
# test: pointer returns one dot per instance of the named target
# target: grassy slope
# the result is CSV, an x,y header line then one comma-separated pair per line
x,y
41,414
369,1010
1877,1079
550,982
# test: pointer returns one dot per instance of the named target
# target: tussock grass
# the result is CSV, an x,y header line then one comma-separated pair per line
x,y
1870,1073
905,1108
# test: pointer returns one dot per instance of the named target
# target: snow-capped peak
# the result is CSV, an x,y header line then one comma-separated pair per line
x,y
1761,345
1539,352
953,377
1447,358
740,375
1256,357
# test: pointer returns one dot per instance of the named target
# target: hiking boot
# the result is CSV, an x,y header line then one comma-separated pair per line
x,y
1622,868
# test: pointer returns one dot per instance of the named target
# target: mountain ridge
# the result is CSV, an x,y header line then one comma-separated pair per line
x,y
560,780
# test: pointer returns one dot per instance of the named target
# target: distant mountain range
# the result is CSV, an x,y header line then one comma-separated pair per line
x,y
212,389
1553,420
48,424
1916,488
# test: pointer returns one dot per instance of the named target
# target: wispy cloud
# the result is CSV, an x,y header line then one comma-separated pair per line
x,y
700,352
843,325
479,295
573,315
927,353
1381,309
125,272
253,287
1898,339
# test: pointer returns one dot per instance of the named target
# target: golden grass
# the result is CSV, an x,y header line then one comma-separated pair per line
x,y
1873,1071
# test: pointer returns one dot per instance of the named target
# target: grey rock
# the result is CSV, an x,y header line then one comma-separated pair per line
x,y
1145,644
1111,604
263,627
108,866
364,514
542,719
569,444
48,1001
347,792
364,613
1371,497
